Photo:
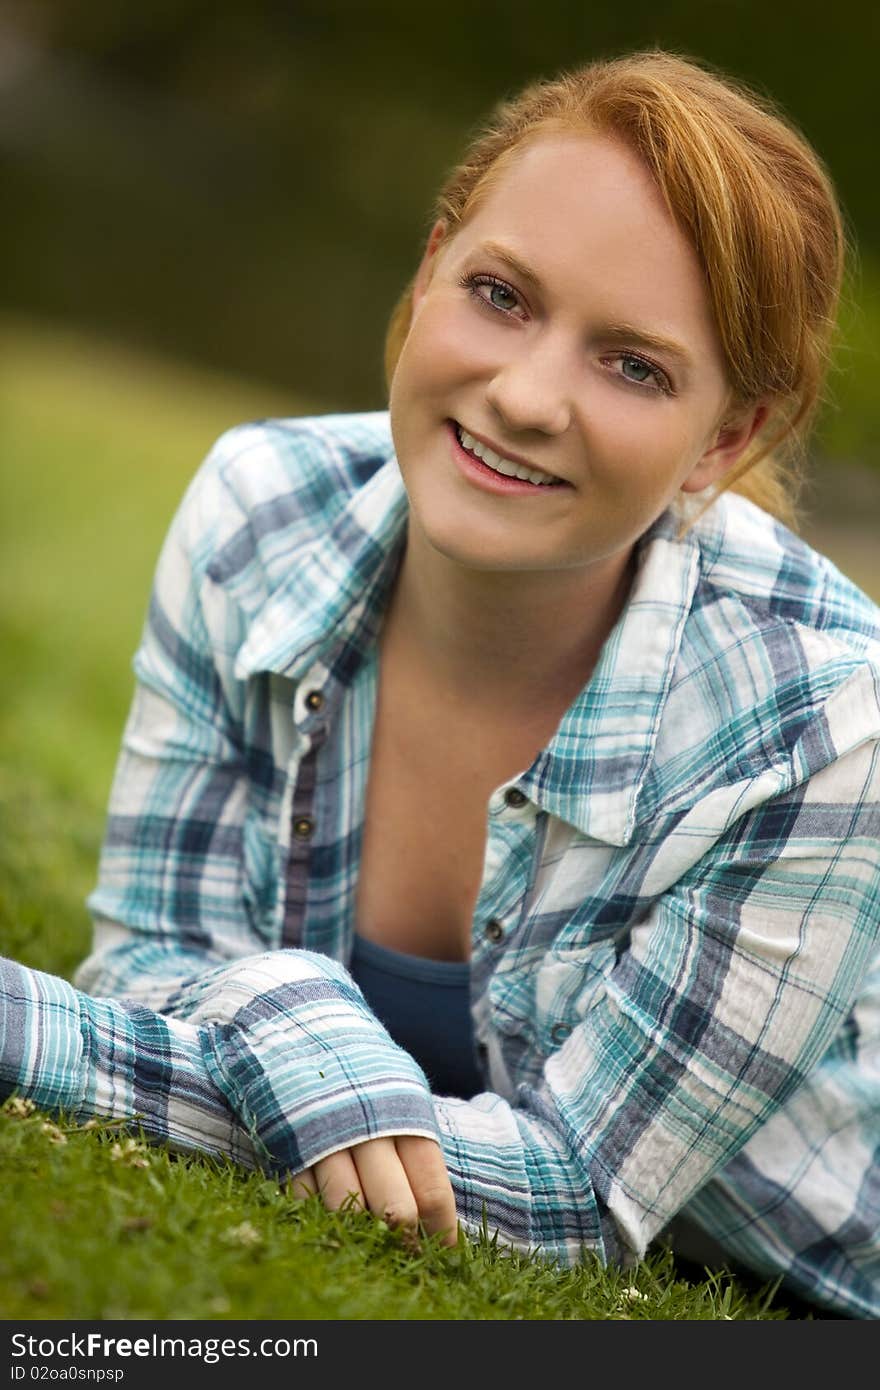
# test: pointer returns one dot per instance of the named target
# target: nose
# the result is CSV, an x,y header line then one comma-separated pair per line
x,y
530,391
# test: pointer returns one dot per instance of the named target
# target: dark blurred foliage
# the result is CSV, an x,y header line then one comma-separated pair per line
x,y
247,185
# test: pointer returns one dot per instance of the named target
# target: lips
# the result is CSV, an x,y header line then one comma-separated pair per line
x,y
506,466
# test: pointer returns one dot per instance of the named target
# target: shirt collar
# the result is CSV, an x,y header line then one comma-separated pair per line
x,y
339,578
592,771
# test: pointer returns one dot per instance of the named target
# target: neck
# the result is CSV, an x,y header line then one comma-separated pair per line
x,y
515,638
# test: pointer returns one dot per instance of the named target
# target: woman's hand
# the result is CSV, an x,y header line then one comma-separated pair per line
x,y
403,1180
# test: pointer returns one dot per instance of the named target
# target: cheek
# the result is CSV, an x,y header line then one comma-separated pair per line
x,y
444,346
642,441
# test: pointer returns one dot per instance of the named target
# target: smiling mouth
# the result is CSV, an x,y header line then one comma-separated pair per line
x,y
499,464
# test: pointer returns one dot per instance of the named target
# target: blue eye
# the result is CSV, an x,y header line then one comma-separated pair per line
x,y
497,293
491,293
639,371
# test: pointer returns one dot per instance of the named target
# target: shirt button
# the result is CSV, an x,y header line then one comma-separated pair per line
x,y
314,699
514,797
303,827
494,931
559,1032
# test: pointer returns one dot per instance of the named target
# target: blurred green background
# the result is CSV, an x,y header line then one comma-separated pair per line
x,y
208,211
247,184
245,187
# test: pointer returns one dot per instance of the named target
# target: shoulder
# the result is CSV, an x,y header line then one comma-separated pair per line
x,y
751,561
779,660
268,486
269,495
321,457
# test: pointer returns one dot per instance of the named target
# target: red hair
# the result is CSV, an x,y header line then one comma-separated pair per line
x,y
752,197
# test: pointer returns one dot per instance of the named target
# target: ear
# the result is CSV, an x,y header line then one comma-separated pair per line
x,y
426,266
730,442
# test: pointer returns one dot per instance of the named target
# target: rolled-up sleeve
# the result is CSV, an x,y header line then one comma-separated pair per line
x,y
180,1017
171,862
275,1061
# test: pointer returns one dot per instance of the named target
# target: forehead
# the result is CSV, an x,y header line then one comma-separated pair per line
x,y
586,215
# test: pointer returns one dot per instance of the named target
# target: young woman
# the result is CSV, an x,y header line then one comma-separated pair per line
x,y
496,826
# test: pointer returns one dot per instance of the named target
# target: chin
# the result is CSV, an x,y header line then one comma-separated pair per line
x,y
460,553
479,555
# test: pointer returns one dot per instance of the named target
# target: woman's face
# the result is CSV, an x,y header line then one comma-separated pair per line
x,y
566,328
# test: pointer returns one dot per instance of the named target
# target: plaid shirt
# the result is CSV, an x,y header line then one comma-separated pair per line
x,y
675,967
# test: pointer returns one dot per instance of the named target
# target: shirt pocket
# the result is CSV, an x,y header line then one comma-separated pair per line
x,y
260,879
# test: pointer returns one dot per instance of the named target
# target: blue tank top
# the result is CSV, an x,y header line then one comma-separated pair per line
x,y
425,1005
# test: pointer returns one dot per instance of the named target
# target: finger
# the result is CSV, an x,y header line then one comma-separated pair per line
x,y
338,1181
303,1184
384,1182
428,1179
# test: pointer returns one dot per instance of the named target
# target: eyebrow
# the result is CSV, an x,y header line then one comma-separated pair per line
x,y
620,331
495,248
625,333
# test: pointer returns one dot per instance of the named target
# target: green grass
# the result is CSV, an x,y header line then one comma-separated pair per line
x,y
97,447
100,1226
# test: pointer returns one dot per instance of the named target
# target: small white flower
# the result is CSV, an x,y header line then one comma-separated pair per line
x,y
18,1107
634,1295
131,1153
53,1133
244,1234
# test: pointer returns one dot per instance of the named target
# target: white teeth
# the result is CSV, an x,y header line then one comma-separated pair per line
x,y
499,464
502,465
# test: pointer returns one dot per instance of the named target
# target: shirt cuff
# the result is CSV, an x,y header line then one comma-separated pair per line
x,y
514,1177
310,1070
